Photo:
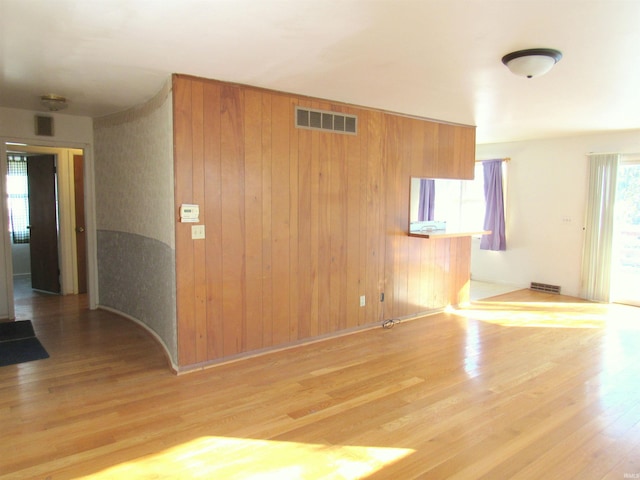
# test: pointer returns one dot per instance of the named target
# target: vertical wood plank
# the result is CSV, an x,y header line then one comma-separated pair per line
x,y
199,266
213,220
466,144
365,241
414,271
267,262
253,199
463,272
294,225
442,251
183,159
305,250
431,149
233,233
402,190
427,274
324,226
377,279
445,167
418,151
395,237
452,278
314,320
324,234
337,217
280,217
353,247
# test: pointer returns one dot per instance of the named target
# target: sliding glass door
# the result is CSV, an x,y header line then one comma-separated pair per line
x,y
625,272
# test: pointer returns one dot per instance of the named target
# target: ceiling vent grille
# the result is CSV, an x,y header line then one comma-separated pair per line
x,y
326,121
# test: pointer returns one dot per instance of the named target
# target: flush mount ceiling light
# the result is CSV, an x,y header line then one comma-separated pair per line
x,y
53,103
532,62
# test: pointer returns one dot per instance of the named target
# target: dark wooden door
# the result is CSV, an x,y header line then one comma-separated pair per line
x,y
81,239
45,273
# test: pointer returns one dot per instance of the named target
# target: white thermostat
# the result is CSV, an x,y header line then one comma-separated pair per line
x,y
189,213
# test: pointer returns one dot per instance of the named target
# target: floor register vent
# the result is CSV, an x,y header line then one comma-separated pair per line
x,y
544,287
326,121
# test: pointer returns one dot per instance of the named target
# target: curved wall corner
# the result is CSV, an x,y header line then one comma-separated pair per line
x,y
135,215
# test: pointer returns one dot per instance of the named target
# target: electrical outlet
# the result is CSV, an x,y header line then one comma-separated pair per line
x,y
362,301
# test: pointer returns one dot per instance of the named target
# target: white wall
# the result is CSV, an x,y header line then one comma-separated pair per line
x,y
69,131
546,201
21,259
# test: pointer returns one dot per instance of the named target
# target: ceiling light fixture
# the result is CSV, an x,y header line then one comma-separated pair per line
x,y
53,102
532,62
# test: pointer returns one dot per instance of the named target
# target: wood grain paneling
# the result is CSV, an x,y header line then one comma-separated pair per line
x,y
253,198
304,310
199,268
301,223
183,185
212,217
294,228
267,188
375,279
281,232
233,227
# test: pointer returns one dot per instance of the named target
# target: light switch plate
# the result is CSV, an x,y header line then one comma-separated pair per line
x,y
197,232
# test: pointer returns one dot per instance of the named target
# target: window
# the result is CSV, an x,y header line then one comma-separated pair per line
x,y
459,203
493,213
18,198
472,202
625,270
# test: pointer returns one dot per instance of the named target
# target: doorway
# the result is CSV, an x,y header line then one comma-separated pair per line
x,y
625,271
54,262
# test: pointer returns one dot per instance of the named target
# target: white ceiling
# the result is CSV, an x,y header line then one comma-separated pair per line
x,y
439,59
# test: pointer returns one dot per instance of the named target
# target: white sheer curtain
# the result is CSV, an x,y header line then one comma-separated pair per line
x,y
598,241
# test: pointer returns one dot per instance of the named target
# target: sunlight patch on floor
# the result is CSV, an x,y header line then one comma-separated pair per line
x,y
551,314
240,458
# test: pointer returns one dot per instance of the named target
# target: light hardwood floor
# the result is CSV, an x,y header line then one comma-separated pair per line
x,y
524,385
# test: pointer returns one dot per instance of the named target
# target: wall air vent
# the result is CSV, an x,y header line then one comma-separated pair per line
x,y
543,287
44,126
326,121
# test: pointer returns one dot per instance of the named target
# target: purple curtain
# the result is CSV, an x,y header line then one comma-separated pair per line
x,y
427,198
494,210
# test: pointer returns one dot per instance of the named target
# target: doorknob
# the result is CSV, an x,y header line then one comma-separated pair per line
x,y
80,229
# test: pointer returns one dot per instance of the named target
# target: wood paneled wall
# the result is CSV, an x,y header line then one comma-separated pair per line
x,y
300,223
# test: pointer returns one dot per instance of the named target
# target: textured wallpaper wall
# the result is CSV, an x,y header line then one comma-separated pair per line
x,y
134,170
135,215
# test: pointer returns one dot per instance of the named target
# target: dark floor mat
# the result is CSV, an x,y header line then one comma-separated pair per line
x,y
16,330
20,351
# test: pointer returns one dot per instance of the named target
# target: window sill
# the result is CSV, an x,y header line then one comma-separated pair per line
x,y
448,234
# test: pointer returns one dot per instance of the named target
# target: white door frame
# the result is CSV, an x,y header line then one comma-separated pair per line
x,y
90,226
